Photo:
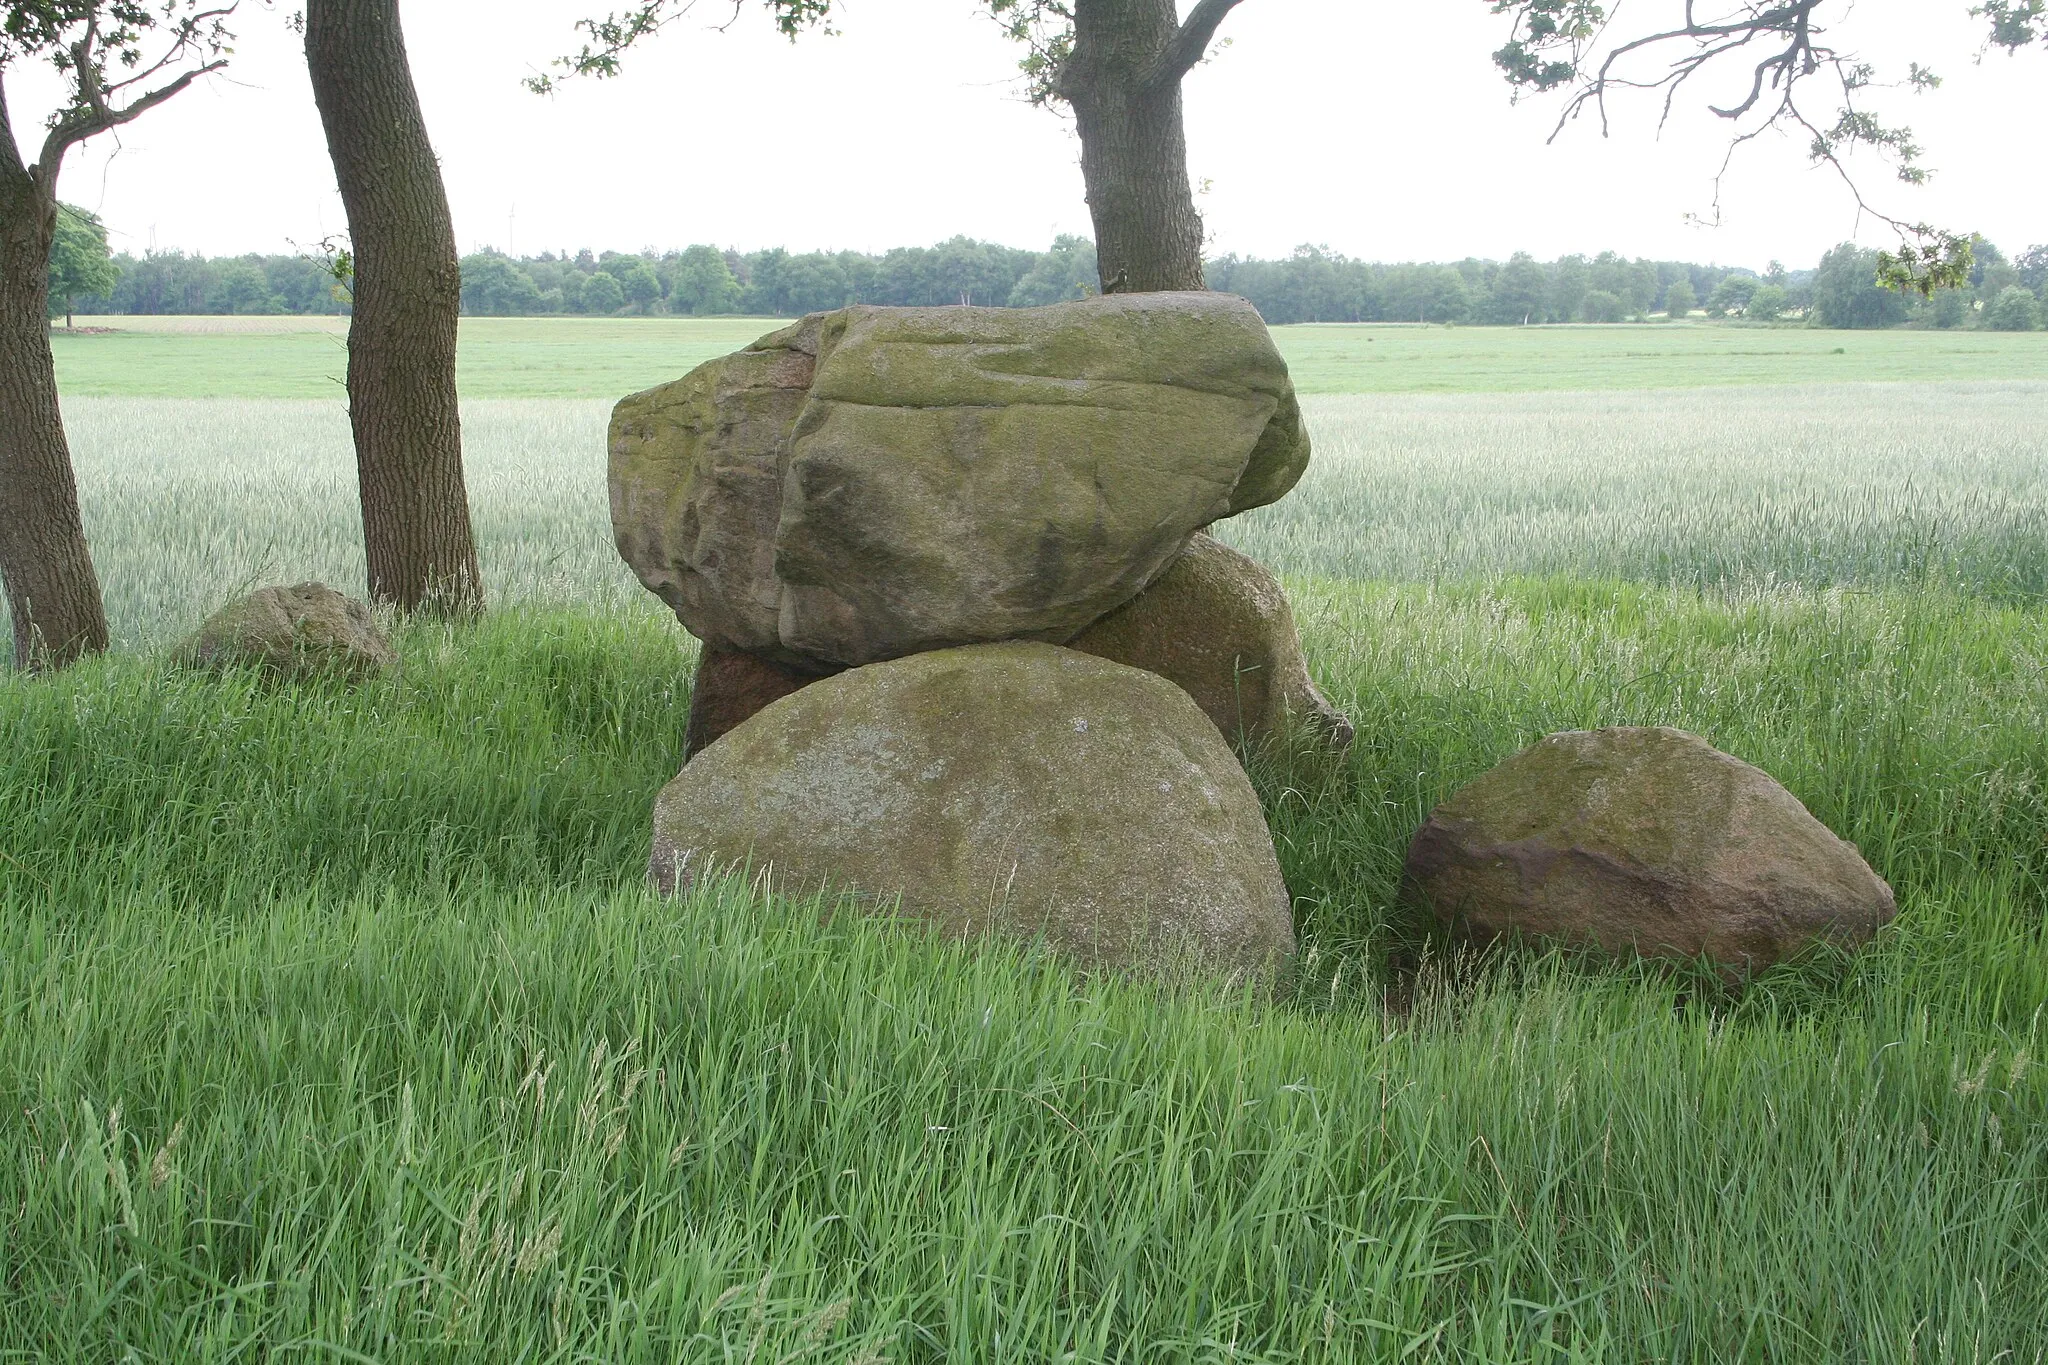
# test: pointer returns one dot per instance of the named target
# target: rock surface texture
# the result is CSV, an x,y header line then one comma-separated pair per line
x,y
1018,787
1218,625
729,688
876,482
1644,839
304,631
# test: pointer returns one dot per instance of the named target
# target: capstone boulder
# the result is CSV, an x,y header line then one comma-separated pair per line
x,y
876,482
1647,840
1021,788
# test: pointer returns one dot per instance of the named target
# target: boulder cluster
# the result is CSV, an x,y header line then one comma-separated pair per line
x,y
966,650
969,657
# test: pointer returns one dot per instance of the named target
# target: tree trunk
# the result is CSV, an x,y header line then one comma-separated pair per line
x,y
408,289
51,587
1125,89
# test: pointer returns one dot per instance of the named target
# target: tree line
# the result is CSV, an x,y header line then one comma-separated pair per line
x,y
1313,284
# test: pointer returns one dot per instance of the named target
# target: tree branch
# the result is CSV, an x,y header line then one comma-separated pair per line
x,y
1191,42
86,122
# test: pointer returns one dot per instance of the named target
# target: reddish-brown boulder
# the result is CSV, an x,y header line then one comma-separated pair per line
x,y
1648,840
732,685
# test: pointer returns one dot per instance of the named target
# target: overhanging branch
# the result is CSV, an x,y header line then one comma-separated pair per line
x,y
1191,41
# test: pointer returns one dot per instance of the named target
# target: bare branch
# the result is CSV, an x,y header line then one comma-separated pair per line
x,y
1191,42
81,124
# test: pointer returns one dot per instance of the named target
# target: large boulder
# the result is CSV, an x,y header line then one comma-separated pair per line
x,y
1015,787
304,631
1644,839
1217,624
877,482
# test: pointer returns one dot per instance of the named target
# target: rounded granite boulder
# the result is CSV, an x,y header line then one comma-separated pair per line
x,y
1021,788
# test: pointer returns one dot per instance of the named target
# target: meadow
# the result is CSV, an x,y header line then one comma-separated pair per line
x,y
338,1023
604,358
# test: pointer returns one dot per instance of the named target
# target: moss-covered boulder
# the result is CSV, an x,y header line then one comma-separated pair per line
x,y
1648,840
308,630
1217,624
875,482
1021,788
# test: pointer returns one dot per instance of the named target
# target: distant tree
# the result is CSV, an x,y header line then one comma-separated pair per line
x,y
1768,303
2015,309
2033,267
417,537
1985,257
1679,300
815,283
1569,281
1521,291
1846,292
1601,306
702,283
116,60
601,294
640,285
1427,293
80,264
494,284
1951,308
1780,50
242,287
1732,294
1064,273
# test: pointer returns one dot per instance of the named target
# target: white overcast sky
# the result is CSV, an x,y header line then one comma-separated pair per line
x,y
1376,127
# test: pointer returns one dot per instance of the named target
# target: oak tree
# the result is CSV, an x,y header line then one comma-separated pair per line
x,y
118,59
407,285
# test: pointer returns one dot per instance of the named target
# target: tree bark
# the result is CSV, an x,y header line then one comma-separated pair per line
x,y
52,591
1123,81
408,288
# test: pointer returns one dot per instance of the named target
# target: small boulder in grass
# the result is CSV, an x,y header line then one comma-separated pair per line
x,y
1647,840
305,631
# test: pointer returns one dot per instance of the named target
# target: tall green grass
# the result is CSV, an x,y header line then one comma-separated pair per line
x,y
337,1023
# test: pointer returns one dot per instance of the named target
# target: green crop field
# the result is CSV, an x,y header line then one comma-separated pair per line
x,y
337,1024
179,357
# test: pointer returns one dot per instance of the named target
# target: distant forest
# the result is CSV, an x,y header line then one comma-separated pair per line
x,y
1311,285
